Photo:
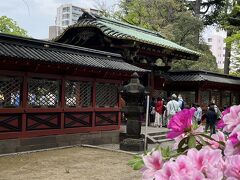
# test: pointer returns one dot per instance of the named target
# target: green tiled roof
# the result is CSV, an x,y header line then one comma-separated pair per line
x,y
120,30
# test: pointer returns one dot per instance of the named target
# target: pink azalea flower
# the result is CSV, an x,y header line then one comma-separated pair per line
x,y
196,165
234,137
168,171
219,136
232,145
184,164
232,119
232,170
153,162
220,123
230,149
180,122
208,161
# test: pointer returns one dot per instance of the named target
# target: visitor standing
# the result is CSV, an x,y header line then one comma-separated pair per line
x,y
158,112
172,107
198,114
164,113
152,111
211,119
180,102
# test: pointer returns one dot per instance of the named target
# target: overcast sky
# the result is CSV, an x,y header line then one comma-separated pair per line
x,y
36,15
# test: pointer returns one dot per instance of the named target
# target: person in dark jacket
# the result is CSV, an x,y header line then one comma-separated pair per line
x,y
211,119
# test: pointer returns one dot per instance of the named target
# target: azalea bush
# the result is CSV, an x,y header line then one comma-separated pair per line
x,y
196,155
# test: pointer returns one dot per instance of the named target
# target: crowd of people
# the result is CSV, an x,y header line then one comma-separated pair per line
x,y
162,111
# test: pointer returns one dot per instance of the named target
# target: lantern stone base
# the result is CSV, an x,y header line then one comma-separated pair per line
x,y
131,144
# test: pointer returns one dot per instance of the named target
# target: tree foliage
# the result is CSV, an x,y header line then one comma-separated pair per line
x,y
208,10
206,61
175,21
9,26
230,21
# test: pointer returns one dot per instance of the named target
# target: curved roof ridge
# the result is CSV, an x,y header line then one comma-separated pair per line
x,y
129,32
115,21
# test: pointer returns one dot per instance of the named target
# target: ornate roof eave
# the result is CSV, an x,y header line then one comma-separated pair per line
x,y
92,21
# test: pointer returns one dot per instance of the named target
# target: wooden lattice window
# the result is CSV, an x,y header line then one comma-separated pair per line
x,y
10,94
204,97
78,94
159,93
235,98
226,99
43,92
106,95
188,97
215,98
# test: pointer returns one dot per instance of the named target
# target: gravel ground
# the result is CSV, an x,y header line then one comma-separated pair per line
x,y
70,163
150,146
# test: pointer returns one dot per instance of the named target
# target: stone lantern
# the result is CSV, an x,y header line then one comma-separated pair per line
x,y
134,95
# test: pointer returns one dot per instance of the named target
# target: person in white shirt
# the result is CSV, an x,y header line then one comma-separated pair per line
x,y
180,102
172,107
198,114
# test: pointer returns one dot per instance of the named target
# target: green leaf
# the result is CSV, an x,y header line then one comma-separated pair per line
x,y
182,142
165,152
192,142
199,146
182,150
136,163
207,136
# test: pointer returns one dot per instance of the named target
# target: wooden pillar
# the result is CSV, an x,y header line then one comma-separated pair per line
x,y
221,99
62,101
149,83
24,101
119,113
152,85
231,98
197,96
94,102
210,96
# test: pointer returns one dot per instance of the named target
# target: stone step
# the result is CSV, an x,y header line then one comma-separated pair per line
x,y
163,140
159,140
161,136
158,133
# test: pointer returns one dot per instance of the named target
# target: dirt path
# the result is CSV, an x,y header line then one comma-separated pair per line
x,y
64,164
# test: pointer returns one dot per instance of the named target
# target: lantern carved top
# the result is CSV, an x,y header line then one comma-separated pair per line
x,y
134,91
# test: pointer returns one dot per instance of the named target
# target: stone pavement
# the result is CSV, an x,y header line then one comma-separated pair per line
x,y
149,131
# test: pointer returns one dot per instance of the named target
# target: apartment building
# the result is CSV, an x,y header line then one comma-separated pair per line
x,y
67,14
217,46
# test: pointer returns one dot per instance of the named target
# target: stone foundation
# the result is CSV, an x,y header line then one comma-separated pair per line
x,y
44,142
131,144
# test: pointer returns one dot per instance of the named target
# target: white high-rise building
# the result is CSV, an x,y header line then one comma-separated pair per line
x,y
67,14
217,46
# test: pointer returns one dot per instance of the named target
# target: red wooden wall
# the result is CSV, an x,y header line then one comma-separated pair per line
x,y
25,120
